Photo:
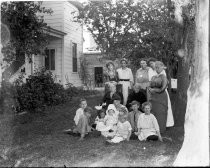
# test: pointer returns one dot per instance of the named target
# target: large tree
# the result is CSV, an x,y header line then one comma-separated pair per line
x,y
195,148
23,29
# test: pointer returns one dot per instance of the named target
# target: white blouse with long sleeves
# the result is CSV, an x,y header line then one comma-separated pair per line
x,y
125,74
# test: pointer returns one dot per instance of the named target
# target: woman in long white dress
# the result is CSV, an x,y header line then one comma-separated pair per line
x,y
125,77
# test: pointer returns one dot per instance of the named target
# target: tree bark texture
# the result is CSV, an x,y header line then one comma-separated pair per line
x,y
195,148
181,95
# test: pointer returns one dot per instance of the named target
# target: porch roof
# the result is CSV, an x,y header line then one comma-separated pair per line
x,y
54,33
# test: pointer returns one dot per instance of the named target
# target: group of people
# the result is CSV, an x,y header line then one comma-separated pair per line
x,y
139,109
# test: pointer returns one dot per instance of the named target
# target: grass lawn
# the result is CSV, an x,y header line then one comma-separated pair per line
x,y
39,141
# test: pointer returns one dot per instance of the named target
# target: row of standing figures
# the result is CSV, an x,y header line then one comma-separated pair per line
x,y
150,85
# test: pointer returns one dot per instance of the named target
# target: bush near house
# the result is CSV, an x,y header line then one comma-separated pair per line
x,y
39,91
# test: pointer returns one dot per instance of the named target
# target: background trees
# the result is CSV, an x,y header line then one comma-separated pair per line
x,y
144,29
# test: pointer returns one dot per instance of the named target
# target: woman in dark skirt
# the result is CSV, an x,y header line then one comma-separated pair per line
x,y
158,97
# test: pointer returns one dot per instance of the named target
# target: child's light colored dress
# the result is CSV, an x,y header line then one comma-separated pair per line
x,y
108,124
148,125
122,131
100,123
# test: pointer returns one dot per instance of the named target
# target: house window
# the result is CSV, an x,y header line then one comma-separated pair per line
x,y
74,53
50,59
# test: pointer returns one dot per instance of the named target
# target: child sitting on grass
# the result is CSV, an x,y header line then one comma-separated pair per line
x,y
108,125
83,127
123,131
148,128
100,119
133,117
79,112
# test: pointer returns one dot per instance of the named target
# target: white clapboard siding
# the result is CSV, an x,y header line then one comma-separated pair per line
x,y
55,20
74,35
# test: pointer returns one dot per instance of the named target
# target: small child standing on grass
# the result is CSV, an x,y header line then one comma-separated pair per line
x,y
123,131
83,126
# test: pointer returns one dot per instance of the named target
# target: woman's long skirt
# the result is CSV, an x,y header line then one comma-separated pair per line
x,y
125,90
170,118
160,108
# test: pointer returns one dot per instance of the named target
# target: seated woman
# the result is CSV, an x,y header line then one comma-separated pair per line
x,y
108,97
136,95
148,128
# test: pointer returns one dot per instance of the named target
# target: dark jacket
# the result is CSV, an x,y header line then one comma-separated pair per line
x,y
108,100
140,97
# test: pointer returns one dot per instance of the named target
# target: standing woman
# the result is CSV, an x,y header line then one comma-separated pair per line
x,y
142,76
125,77
152,72
110,76
158,97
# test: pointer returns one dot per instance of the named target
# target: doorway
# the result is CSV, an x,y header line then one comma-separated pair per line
x,y
98,76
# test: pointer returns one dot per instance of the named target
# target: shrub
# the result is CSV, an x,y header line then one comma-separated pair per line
x,y
40,91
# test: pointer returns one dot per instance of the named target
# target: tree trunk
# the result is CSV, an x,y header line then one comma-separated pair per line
x,y
181,95
195,148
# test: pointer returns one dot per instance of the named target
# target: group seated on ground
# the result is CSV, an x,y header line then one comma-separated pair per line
x,y
116,124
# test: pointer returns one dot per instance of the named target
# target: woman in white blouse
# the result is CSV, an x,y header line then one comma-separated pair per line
x,y
125,77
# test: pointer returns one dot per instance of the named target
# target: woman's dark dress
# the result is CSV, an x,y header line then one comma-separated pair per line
x,y
108,99
159,100
140,97
109,78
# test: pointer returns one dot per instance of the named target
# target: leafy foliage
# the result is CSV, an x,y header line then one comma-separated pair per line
x,y
130,29
24,28
40,91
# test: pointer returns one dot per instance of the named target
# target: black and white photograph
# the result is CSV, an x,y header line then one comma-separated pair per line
x,y
104,83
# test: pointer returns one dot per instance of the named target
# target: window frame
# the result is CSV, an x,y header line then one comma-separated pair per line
x,y
74,58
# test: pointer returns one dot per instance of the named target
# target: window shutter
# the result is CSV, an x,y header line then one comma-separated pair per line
x,y
52,56
74,56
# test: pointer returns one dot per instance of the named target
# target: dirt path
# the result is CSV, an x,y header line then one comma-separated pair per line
x,y
39,141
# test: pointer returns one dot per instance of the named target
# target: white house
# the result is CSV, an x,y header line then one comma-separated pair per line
x,y
65,44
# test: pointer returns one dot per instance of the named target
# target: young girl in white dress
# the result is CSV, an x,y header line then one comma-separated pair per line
x,y
148,128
